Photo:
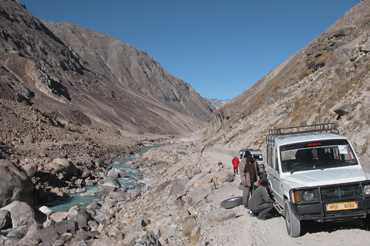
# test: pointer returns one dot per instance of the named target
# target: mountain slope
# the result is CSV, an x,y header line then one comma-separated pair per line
x,y
131,68
331,72
131,93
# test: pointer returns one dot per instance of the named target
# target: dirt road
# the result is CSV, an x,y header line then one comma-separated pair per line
x,y
248,230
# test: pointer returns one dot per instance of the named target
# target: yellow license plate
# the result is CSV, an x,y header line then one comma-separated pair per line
x,y
341,206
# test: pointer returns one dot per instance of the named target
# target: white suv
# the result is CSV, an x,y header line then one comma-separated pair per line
x,y
314,174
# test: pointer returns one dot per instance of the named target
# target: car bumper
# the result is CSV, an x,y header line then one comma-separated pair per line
x,y
317,211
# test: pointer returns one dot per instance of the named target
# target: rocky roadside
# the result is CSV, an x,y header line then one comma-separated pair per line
x,y
173,208
43,158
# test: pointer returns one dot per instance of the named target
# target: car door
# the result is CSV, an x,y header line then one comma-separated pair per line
x,y
273,173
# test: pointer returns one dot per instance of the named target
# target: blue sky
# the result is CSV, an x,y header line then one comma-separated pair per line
x,y
220,47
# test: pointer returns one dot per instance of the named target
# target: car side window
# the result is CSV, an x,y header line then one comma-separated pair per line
x,y
276,164
269,156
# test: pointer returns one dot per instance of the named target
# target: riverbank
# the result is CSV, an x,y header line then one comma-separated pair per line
x,y
179,204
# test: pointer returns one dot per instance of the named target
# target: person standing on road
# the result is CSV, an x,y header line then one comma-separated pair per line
x,y
245,177
235,163
261,203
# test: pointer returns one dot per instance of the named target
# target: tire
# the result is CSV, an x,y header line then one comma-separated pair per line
x,y
232,202
293,225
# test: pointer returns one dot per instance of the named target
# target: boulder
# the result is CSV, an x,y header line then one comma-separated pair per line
x,y
366,46
117,196
189,223
60,165
5,219
109,186
108,203
196,196
223,176
85,174
192,172
16,185
45,210
73,211
105,190
342,110
30,169
115,173
112,182
28,140
59,216
199,181
162,186
220,215
54,232
82,218
115,233
178,186
23,216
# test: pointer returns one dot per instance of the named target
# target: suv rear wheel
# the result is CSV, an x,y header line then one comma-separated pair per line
x,y
293,225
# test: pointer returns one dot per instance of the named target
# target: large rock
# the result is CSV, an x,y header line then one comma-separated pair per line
x,y
189,223
23,216
52,233
60,165
223,176
178,186
82,218
15,184
59,216
5,220
115,173
30,169
196,196
220,215
343,109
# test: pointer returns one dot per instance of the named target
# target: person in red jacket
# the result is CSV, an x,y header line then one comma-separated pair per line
x,y
235,162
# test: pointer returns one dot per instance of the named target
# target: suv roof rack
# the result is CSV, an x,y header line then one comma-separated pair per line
x,y
325,127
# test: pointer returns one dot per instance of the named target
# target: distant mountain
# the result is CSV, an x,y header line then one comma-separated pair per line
x,y
86,77
218,103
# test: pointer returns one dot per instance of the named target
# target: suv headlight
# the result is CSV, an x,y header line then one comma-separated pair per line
x,y
367,190
305,196
308,195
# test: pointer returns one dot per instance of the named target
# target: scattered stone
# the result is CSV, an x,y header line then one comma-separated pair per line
x,y
87,194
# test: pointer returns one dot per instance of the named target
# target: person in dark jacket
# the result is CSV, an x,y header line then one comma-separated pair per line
x,y
260,203
246,172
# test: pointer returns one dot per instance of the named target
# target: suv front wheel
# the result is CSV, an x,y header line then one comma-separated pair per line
x,y
293,225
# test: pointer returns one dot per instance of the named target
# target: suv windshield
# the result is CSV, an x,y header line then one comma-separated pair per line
x,y
257,157
316,155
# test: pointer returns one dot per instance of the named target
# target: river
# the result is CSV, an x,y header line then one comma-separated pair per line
x,y
128,182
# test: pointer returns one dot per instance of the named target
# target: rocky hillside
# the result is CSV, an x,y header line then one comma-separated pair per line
x,y
326,81
93,79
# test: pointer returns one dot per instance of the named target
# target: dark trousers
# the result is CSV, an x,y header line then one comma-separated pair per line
x,y
235,170
265,212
